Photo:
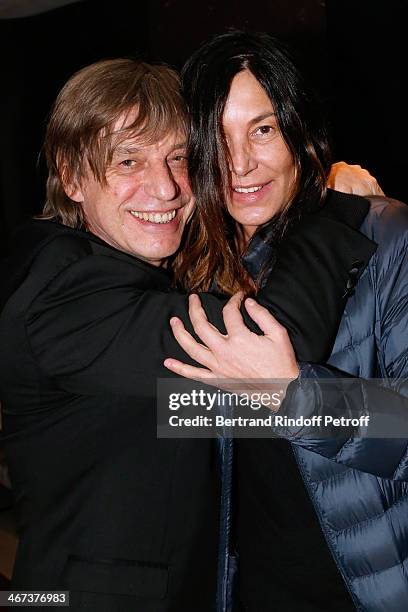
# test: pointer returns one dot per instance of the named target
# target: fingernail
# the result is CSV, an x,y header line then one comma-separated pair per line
x,y
250,302
173,321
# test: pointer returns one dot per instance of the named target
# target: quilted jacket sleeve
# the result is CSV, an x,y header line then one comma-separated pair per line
x,y
382,447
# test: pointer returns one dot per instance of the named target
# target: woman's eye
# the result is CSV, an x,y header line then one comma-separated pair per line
x,y
179,160
264,130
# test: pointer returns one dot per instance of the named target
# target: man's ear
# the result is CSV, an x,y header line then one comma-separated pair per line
x,y
74,192
71,185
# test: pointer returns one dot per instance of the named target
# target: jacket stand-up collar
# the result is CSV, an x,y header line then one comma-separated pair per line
x,y
337,225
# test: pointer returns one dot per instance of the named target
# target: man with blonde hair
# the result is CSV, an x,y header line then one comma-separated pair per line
x,y
106,510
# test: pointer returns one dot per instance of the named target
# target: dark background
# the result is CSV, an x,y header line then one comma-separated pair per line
x,y
354,51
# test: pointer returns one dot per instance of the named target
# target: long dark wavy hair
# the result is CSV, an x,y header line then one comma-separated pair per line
x,y
212,252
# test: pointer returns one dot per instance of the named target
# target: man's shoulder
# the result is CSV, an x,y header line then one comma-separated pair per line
x,y
53,256
49,256
44,248
54,244
45,245
37,236
39,246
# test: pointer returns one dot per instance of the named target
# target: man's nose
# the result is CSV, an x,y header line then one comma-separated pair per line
x,y
241,159
159,183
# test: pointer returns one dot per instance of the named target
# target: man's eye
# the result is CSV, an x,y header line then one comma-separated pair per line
x,y
128,163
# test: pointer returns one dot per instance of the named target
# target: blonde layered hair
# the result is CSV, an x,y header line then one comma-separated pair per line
x,y
81,133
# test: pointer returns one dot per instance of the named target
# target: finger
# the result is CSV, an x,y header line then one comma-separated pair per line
x,y
194,349
207,333
376,189
188,371
263,318
195,306
231,313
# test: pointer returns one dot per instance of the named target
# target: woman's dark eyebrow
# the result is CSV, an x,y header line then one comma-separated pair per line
x,y
262,117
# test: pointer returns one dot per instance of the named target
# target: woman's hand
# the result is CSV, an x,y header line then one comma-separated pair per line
x,y
239,354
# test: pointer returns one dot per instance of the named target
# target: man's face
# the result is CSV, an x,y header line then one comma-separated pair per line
x,y
147,201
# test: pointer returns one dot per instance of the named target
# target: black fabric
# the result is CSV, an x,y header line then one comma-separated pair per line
x,y
285,564
83,338
6,498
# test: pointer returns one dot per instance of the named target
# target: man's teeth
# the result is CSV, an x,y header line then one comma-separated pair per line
x,y
154,217
247,189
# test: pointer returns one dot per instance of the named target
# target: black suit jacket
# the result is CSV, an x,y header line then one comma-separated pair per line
x,y
123,520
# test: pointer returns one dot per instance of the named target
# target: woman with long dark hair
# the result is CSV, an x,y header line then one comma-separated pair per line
x,y
320,523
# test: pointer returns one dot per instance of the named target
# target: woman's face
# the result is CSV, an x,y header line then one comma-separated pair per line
x,y
261,165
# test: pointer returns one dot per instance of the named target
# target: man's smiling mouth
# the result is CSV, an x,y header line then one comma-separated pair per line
x,y
154,217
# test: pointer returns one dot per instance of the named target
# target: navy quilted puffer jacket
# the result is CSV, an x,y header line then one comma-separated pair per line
x,y
359,486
